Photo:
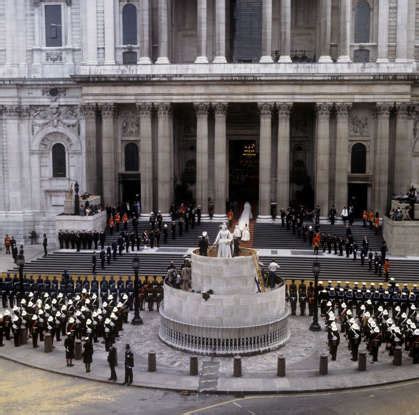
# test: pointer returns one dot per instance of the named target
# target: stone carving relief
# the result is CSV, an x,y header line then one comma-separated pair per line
x,y
359,126
129,124
55,117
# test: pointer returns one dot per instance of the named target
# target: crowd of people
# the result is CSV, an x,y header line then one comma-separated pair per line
x,y
408,212
378,315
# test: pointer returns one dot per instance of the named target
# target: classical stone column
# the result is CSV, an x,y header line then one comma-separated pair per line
x,y
10,31
220,159
163,158
145,33
342,155
163,33
322,156
266,32
382,53
202,156
88,112
146,157
402,159
283,159
220,31
402,30
202,8
381,162
109,17
12,150
345,31
90,38
265,159
285,52
325,30
108,155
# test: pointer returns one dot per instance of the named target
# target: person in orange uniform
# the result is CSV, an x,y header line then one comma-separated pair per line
x,y
117,219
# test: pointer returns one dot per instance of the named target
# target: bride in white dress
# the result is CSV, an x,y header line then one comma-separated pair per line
x,y
244,221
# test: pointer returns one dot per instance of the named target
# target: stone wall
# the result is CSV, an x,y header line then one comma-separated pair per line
x,y
402,237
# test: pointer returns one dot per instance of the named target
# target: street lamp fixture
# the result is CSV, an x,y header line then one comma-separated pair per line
x,y
315,326
137,320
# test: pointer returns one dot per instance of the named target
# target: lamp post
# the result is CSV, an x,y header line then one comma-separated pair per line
x,y
315,326
20,262
137,320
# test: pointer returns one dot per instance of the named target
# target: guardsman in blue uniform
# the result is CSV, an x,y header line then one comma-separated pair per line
x,y
121,287
70,288
79,285
103,288
86,284
112,288
129,287
54,286
94,289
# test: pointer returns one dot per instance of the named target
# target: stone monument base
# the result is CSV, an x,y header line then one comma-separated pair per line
x,y
81,223
402,237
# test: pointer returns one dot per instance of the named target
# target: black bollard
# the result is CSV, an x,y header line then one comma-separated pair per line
x,y
193,366
362,362
281,366
323,365
48,343
152,362
77,350
397,357
237,367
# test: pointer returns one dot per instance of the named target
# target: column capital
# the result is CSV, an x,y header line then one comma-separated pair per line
x,y
12,111
25,111
383,109
108,110
88,111
323,109
403,109
284,109
265,108
220,108
163,108
201,108
343,108
144,108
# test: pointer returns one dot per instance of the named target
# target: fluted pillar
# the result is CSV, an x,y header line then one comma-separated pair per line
x,y
402,30
283,159
266,32
220,159
382,51
220,31
342,155
89,115
381,162
345,14
163,33
145,33
322,156
163,158
202,156
108,155
146,157
285,49
325,30
402,158
202,9
265,159
10,31
109,16
90,33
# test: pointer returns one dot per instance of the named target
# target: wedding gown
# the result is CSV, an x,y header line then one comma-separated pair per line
x,y
244,221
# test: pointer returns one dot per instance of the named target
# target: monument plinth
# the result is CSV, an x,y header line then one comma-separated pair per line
x,y
234,319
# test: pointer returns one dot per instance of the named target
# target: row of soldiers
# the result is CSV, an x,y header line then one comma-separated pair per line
x,y
81,239
375,326
386,295
13,289
80,318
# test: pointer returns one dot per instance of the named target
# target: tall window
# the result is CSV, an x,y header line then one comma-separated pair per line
x,y
362,22
129,25
53,26
58,161
131,157
359,159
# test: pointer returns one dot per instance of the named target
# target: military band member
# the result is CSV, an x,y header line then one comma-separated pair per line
x,y
293,297
302,296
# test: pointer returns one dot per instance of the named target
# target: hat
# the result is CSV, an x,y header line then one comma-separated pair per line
x,y
71,320
376,330
34,317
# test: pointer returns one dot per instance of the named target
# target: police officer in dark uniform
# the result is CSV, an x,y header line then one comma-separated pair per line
x,y
129,364
302,296
311,298
293,297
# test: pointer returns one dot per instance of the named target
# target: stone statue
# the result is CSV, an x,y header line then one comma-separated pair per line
x,y
223,241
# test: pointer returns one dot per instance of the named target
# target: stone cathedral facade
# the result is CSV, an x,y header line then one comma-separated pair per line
x,y
307,101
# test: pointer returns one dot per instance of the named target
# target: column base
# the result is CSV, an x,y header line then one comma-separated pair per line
x,y
325,59
382,60
285,59
144,60
111,62
266,59
162,60
220,59
201,59
403,60
264,218
220,216
344,59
